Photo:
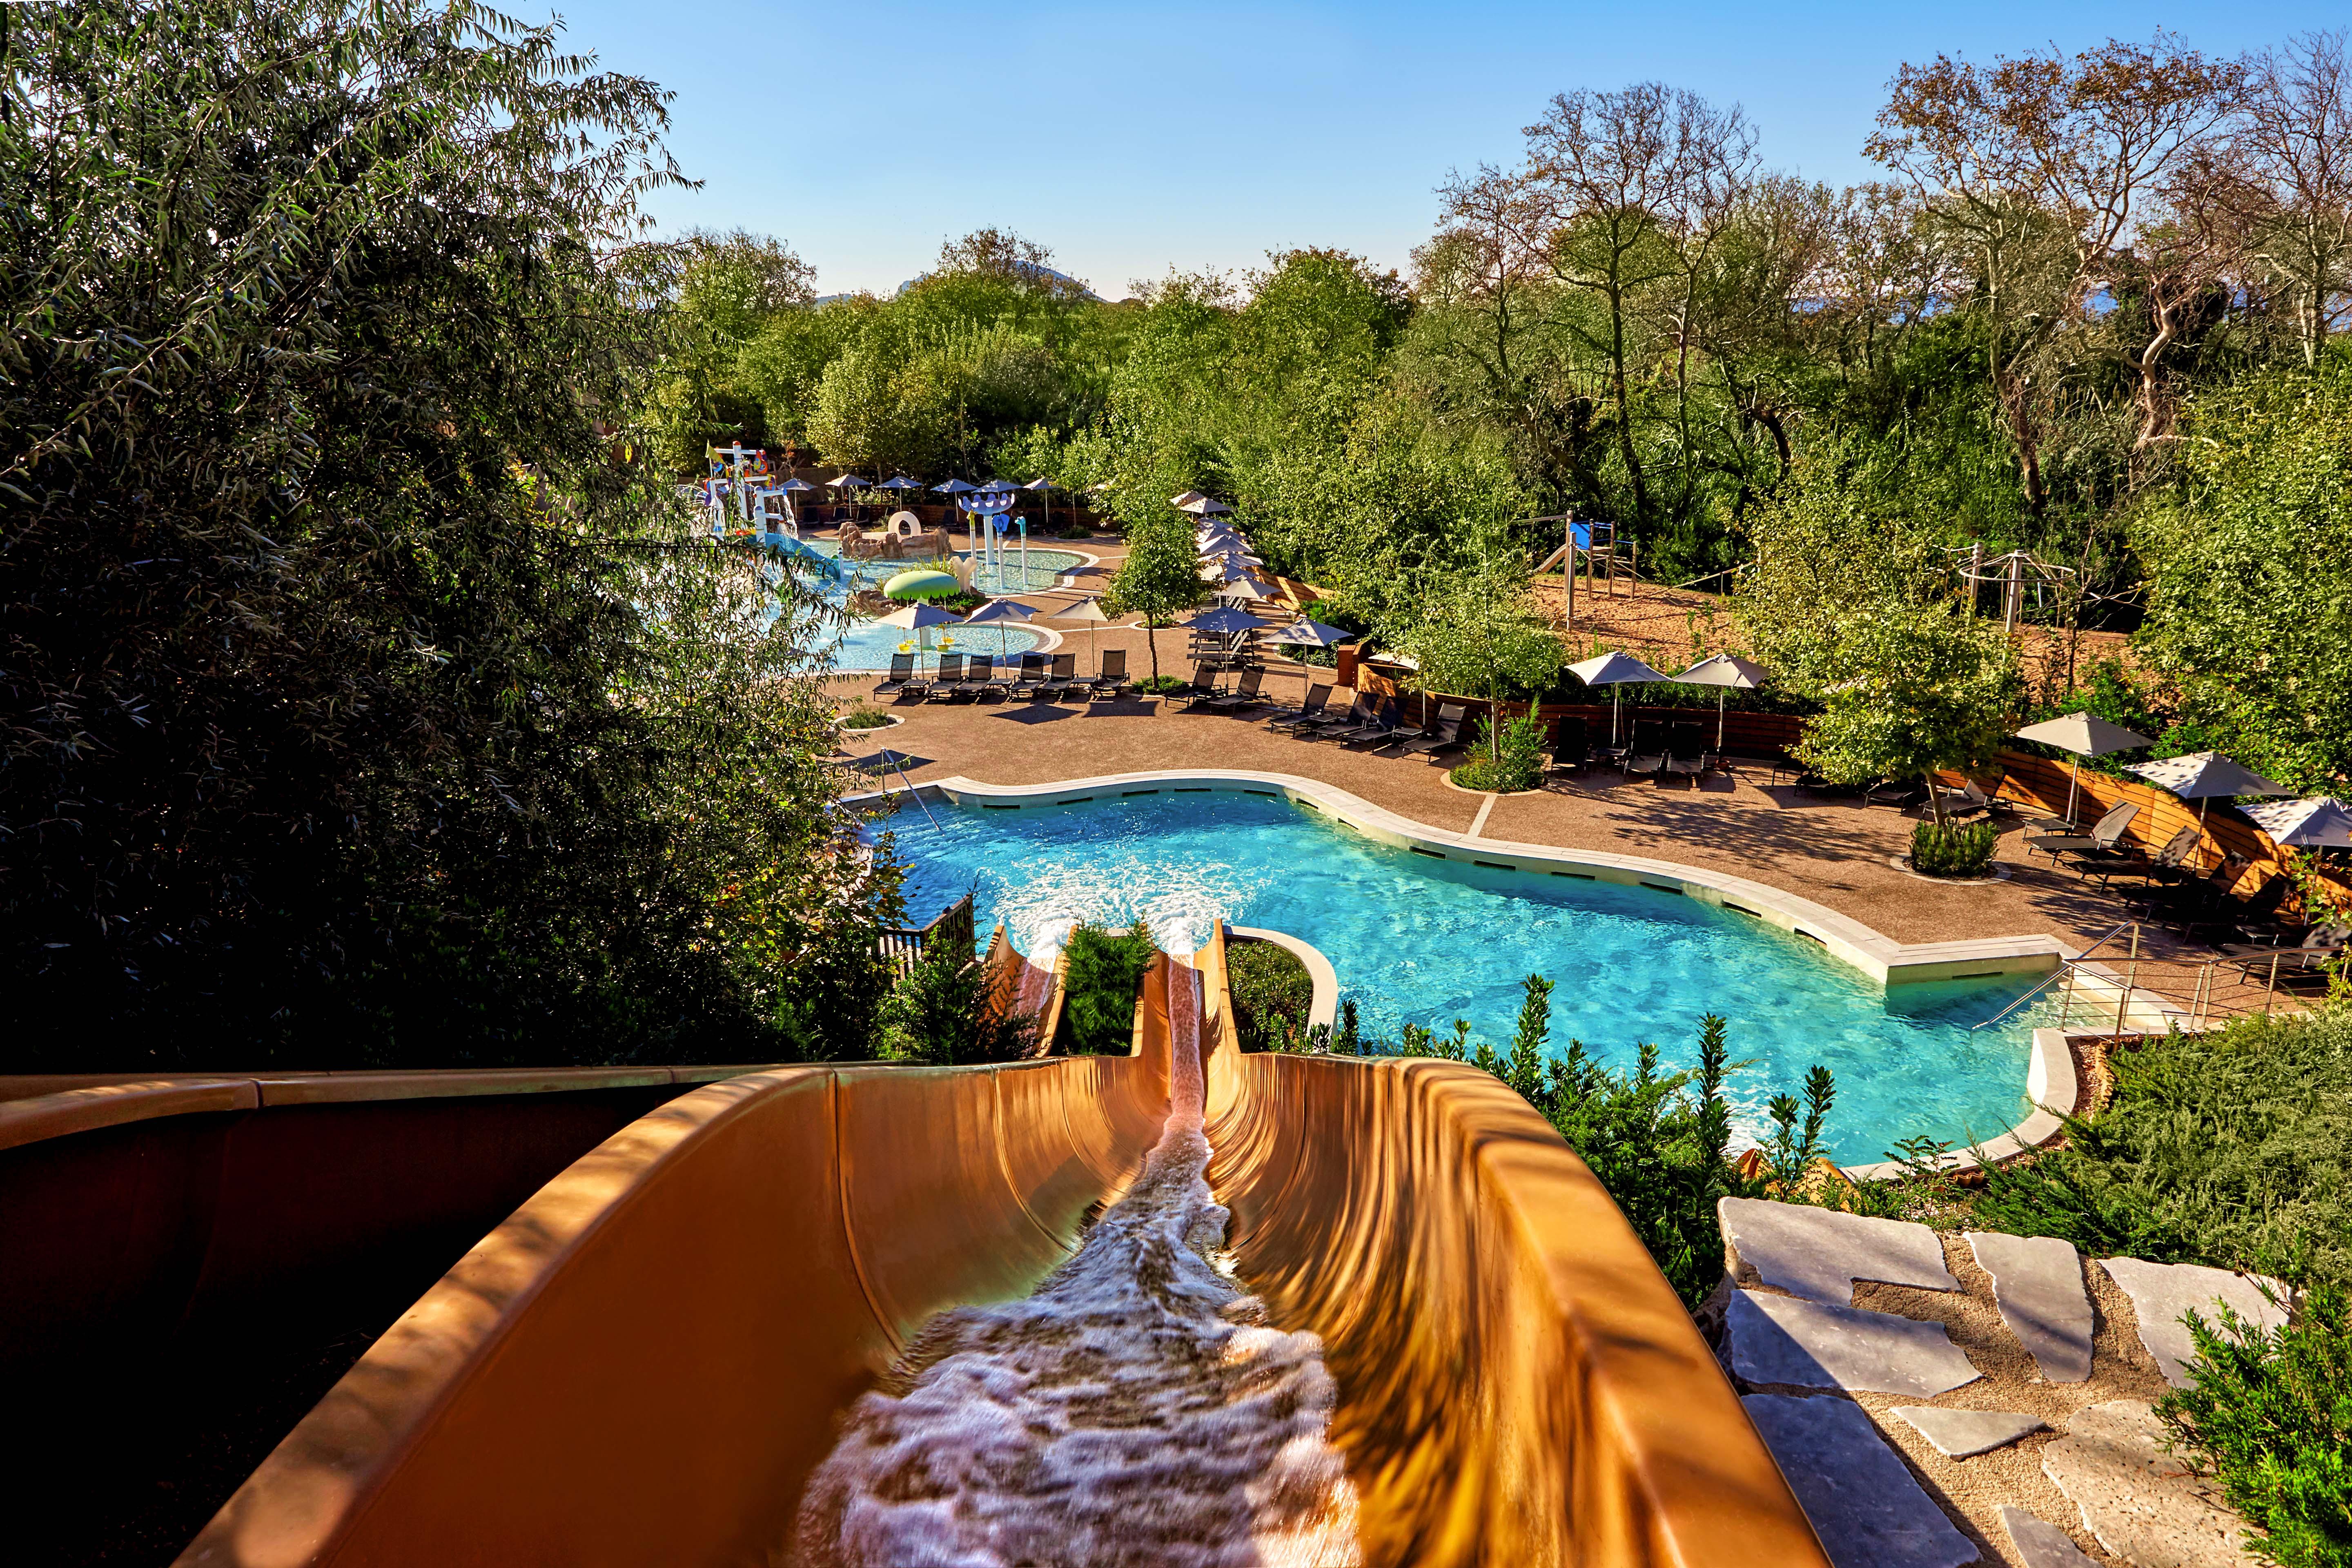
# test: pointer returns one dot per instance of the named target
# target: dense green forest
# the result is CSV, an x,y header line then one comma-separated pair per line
x,y
365,680
2086,287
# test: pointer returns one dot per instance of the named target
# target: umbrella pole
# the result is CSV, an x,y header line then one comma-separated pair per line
x,y
1722,696
2073,783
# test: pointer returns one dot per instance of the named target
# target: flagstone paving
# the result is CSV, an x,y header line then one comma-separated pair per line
x,y
1964,1434
1806,1344
2136,1499
2034,1471
2040,1543
2038,1282
2161,1292
1818,1254
1865,1507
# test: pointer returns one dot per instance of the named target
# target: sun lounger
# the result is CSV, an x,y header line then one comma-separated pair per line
x,y
2316,946
1310,712
1383,733
1446,735
1359,711
1243,696
902,670
1031,681
1379,721
950,676
2104,833
1571,747
979,679
1645,757
2108,864
1111,679
1969,800
1686,753
1063,679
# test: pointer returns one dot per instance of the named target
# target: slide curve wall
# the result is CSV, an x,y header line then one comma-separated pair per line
x,y
643,1364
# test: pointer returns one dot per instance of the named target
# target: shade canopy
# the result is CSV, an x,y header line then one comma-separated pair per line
x,y
915,618
2085,734
998,487
796,485
1199,505
1185,502
1041,483
2208,775
1084,610
2319,823
1614,669
1724,669
1310,633
1225,619
1243,587
848,482
999,610
923,582
955,488
901,483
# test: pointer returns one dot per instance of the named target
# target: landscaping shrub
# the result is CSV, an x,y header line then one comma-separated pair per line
x,y
1953,849
1520,764
1272,992
2271,1414
938,1014
865,716
1099,981
2232,1148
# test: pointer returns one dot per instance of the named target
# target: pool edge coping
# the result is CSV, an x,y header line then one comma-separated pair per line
x,y
1859,946
2051,1086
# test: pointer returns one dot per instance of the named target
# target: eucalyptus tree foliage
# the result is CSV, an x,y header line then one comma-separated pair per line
x,y
363,699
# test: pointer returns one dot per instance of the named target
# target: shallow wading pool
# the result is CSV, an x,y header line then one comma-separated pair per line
x,y
868,645
1423,940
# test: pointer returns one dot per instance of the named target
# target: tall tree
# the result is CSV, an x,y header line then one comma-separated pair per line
x,y
361,698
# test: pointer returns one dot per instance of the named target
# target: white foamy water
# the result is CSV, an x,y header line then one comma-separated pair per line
x,y
1137,1410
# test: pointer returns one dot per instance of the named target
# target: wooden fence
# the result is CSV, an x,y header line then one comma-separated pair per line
x,y
2040,782
905,949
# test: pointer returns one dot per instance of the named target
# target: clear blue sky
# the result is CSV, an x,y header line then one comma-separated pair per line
x,y
1132,138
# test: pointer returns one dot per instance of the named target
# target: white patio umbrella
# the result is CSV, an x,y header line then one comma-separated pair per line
x,y
851,483
1616,669
1045,488
2087,735
2320,821
1245,588
2204,777
1226,619
999,610
1090,611
1725,672
921,617
1200,505
1305,633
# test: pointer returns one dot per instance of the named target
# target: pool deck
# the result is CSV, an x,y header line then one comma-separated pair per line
x,y
1832,852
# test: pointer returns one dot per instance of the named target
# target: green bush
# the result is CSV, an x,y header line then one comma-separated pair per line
x,y
938,1014
1953,849
1520,764
2271,1414
1099,981
1272,992
2232,1148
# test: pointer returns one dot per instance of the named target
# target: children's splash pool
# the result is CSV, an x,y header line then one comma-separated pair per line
x,y
1425,942
868,645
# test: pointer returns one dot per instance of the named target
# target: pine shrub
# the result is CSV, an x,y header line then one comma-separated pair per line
x,y
1953,849
1100,977
1272,995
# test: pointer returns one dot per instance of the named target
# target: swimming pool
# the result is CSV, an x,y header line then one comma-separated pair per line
x,y
868,645
1425,942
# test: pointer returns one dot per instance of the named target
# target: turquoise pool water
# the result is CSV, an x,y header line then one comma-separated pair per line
x,y
868,645
1426,942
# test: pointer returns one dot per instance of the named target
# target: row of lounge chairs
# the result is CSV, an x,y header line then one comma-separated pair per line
x,y
1367,721
1024,677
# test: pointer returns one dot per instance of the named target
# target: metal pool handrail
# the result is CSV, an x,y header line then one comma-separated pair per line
x,y
2064,970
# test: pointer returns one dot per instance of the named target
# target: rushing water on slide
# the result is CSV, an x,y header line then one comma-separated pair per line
x,y
1136,1412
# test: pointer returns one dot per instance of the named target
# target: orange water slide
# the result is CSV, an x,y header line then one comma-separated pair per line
x,y
642,1365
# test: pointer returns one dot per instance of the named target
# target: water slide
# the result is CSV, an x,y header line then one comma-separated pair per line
x,y
648,1360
